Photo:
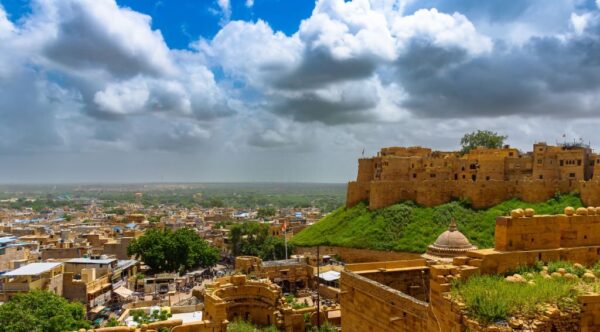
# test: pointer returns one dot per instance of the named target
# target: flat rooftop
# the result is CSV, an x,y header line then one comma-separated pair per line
x,y
282,262
31,269
188,317
91,261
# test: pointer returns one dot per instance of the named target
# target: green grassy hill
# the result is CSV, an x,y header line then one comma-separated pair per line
x,y
411,228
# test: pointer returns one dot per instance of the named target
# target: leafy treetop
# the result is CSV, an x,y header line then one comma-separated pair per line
x,y
40,311
484,138
253,239
168,251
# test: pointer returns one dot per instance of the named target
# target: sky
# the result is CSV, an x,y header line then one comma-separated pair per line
x,y
276,90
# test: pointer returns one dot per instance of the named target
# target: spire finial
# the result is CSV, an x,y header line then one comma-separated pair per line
x,y
452,227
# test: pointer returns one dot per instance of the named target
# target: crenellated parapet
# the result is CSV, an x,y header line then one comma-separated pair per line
x,y
523,230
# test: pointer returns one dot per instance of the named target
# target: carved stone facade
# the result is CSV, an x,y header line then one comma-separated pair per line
x,y
485,177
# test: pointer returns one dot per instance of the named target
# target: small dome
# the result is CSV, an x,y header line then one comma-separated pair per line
x,y
450,243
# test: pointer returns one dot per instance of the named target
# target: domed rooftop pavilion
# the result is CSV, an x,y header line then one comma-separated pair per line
x,y
449,244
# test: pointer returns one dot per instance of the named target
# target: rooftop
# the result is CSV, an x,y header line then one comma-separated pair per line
x,y
282,262
330,275
31,269
90,261
7,239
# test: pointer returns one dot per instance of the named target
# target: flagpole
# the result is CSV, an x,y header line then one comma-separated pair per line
x,y
285,238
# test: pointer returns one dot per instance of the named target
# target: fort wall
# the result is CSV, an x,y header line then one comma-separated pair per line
x,y
484,177
370,306
356,255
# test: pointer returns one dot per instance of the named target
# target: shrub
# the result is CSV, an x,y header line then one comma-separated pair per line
x,y
492,299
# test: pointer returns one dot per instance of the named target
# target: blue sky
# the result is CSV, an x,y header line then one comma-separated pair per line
x,y
184,21
274,90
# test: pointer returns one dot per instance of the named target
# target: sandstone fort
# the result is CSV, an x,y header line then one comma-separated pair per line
x,y
482,176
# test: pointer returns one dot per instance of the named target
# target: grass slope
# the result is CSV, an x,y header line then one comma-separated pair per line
x,y
410,228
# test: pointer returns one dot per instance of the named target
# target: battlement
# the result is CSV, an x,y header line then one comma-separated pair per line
x,y
525,231
483,176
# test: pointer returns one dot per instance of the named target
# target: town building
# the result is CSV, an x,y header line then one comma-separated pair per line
x,y
35,276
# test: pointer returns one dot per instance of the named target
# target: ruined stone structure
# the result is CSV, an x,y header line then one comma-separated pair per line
x,y
484,177
412,295
260,301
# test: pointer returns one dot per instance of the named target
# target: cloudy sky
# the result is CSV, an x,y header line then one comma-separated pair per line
x,y
277,90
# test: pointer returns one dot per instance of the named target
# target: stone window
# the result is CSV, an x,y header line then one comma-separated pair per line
x,y
571,175
578,162
541,177
562,163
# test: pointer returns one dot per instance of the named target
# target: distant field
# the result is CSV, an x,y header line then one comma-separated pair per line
x,y
237,195
410,228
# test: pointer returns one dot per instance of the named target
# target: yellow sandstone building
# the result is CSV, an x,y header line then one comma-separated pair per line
x,y
484,177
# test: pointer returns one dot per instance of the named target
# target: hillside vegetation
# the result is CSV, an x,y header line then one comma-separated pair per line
x,y
411,228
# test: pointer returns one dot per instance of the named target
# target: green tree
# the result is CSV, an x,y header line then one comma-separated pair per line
x,y
112,322
40,311
215,202
140,316
266,212
165,250
484,138
253,239
155,219
117,211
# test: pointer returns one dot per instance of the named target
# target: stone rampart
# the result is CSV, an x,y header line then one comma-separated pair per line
x,y
370,306
485,177
356,255
520,232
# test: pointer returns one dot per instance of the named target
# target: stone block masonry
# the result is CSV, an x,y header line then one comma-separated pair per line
x,y
485,177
